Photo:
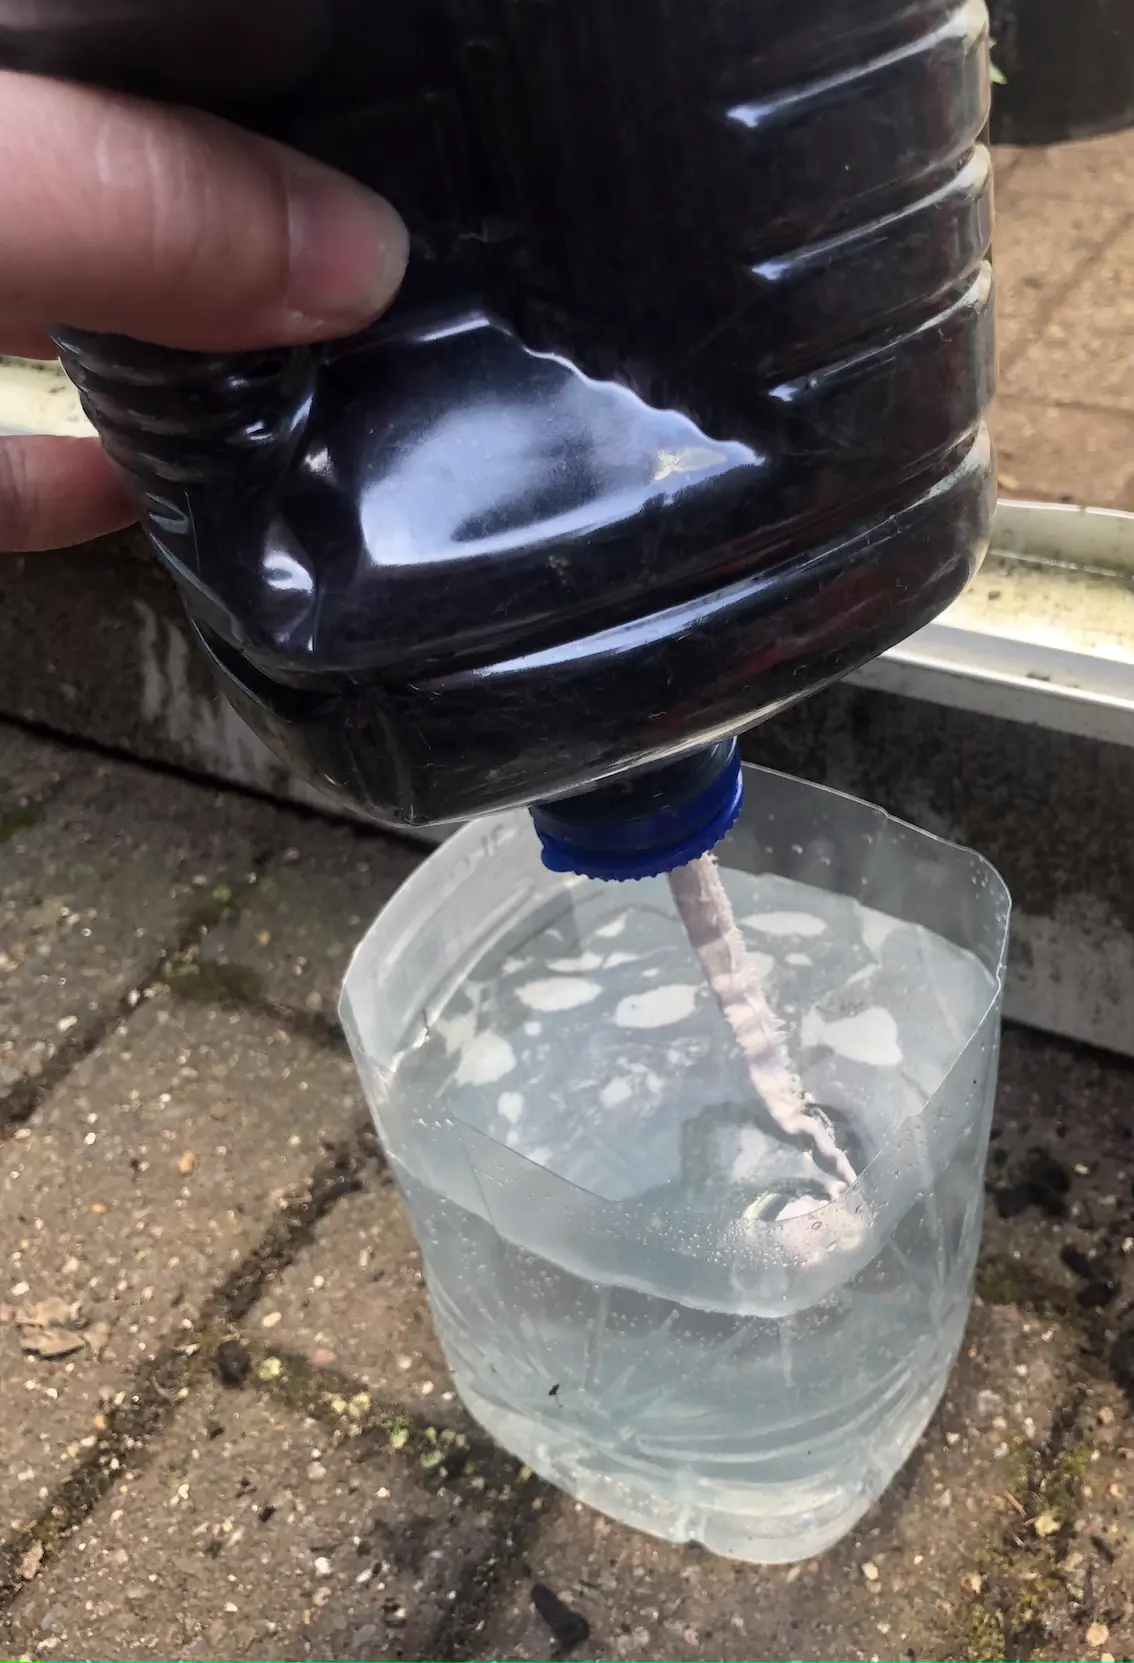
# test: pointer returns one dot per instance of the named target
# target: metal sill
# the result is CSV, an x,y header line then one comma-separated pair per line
x,y
37,398
1045,633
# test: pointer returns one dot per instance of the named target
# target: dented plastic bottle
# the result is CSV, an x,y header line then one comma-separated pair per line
x,y
679,418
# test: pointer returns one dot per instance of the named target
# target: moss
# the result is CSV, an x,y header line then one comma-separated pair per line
x,y
212,983
998,1284
222,902
1018,1467
1025,1620
20,819
983,1638
1061,1488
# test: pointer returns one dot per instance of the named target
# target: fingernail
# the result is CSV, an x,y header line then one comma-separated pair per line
x,y
348,250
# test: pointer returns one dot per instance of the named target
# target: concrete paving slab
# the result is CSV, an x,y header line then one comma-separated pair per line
x,y
1090,170
1085,354
250,1534
295,932
1060,1228
1004,160
31,771
355,1300
98,882
136,1189
1040,248
1051,453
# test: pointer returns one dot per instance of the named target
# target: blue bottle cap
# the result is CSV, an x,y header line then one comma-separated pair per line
x,y
647,823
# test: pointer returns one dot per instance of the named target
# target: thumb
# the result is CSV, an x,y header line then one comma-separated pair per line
x,y
177,228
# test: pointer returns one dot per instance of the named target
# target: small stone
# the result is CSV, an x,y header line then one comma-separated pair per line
x,y
1097,1635
974,1581
1106,1416
322,1567
322,1357
49,1313
33,1559
1046,1525
272,1320
50,1342
316,1471
270,1369
187,1163
870,1571
96,1338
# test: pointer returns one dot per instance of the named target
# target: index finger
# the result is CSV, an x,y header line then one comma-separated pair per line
x,y
177,228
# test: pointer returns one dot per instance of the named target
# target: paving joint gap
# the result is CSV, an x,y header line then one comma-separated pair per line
x,y
462,1627
1004,1623
155,1390
20,1102
207,782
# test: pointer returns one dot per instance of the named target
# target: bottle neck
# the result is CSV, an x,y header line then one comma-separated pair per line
x,y
648,822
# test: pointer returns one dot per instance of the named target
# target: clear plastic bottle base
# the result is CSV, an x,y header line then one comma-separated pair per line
x,y
764,1525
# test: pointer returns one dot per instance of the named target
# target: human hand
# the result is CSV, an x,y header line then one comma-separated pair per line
x,y
172,227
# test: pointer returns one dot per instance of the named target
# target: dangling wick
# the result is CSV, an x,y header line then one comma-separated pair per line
x,y
706,912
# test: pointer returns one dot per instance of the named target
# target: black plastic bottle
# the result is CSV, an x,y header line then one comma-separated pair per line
x,y
678,419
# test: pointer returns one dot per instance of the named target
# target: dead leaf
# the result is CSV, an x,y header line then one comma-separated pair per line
x,y
51,1342
31,1561
49,1313
96,1337
1046,1525
187,1163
